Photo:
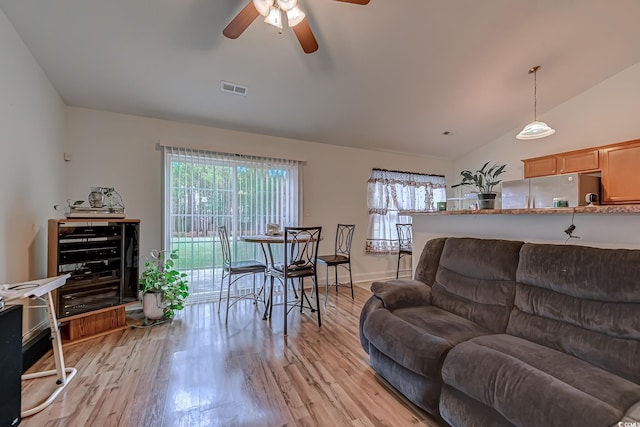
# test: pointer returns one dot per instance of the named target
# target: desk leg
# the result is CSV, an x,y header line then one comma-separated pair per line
x,y
61,371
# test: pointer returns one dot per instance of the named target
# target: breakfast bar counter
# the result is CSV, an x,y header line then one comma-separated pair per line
x,y
599,209
609,226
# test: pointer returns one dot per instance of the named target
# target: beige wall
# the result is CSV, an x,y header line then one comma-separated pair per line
x,y
31,165
121,151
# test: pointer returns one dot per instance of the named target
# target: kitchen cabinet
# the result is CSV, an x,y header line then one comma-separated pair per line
x,y
579,161
541,166
620,180
617,164
573,161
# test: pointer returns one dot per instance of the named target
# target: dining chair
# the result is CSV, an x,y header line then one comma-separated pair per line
x,y
405,242
341,257
299,261
240,269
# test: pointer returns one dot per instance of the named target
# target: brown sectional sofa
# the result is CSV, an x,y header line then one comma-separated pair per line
x,y
507,333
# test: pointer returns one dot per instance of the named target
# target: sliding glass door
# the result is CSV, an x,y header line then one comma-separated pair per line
x,y
205,190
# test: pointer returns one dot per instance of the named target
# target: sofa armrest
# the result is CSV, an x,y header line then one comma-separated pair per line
x,y
632,417
402,293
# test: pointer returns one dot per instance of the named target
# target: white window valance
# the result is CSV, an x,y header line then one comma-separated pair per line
x,y
405,192
391,197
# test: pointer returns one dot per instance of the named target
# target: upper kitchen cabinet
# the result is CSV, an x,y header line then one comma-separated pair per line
x,y
540,166
569,162
620,179
618,165
579,161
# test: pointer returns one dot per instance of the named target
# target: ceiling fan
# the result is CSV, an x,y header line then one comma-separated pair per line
x,y
272,11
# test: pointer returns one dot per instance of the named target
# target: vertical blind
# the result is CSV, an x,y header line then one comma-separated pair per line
x,y
205,190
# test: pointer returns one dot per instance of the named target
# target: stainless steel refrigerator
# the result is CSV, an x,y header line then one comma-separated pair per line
x,y
540,192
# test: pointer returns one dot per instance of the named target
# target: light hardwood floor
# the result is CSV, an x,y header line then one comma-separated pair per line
x,y
196,371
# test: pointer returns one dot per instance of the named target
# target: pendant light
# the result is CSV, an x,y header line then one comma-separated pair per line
x,y
274,17
263,6
535,129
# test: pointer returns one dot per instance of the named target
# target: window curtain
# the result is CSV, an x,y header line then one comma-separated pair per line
x,y
391,197
204,190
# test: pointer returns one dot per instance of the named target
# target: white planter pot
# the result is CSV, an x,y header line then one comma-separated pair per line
x,y
152,306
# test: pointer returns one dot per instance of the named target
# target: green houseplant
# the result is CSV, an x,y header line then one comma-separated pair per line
x,y
484,179
163,287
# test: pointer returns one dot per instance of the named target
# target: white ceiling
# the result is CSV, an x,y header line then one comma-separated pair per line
x,y
392,75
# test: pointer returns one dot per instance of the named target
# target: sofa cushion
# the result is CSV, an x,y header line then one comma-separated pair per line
x,y
429,260
476,280
418,338
582,301
509,374
460,410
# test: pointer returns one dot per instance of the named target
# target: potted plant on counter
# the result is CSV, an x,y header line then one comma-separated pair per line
x,y
484,179
164,289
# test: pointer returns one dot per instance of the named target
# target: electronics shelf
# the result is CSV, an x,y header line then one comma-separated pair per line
x,y
101,256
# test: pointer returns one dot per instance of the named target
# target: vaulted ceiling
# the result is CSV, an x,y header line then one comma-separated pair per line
x,y
391,75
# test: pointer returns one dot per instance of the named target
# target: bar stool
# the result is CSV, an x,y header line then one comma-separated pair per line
x,y
341,256
405,242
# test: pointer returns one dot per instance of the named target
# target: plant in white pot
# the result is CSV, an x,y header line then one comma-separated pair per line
x,y
484,179
164,289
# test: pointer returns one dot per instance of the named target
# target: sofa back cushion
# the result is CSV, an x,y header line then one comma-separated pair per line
x,y
429,261
583,301
476,280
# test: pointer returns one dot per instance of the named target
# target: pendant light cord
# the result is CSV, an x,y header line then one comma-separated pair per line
x,y
535,94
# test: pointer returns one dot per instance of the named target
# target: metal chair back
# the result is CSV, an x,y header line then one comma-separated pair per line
x,y
344,235
302,249
226,247
405,238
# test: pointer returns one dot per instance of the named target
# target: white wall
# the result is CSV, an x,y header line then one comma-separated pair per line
x,y
31,167
121,151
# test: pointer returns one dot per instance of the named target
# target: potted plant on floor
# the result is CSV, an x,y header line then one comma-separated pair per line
x,y
484,179
164,289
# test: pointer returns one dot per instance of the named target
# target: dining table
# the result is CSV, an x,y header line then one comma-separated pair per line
x,y
266,242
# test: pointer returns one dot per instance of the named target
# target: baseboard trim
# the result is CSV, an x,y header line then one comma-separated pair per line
x,y
35,348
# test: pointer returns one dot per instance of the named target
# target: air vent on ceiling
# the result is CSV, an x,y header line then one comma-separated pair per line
x,y
233,88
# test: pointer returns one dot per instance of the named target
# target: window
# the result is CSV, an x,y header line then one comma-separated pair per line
x,y
205,190
391,196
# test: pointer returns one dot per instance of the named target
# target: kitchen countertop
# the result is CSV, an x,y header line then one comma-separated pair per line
x,y
604,209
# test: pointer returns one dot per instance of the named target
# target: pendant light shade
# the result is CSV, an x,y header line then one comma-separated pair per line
x,y
535,129
263,6
295,16
287,5
274,17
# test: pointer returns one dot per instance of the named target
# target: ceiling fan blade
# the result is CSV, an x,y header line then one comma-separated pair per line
x,y
362,2
305,36
241,22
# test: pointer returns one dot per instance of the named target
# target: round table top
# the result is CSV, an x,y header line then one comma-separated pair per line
x,y
265,238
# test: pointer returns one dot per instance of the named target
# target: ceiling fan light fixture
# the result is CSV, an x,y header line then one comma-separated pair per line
x,y
263,6
295,16
274,17
287,5
535,129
